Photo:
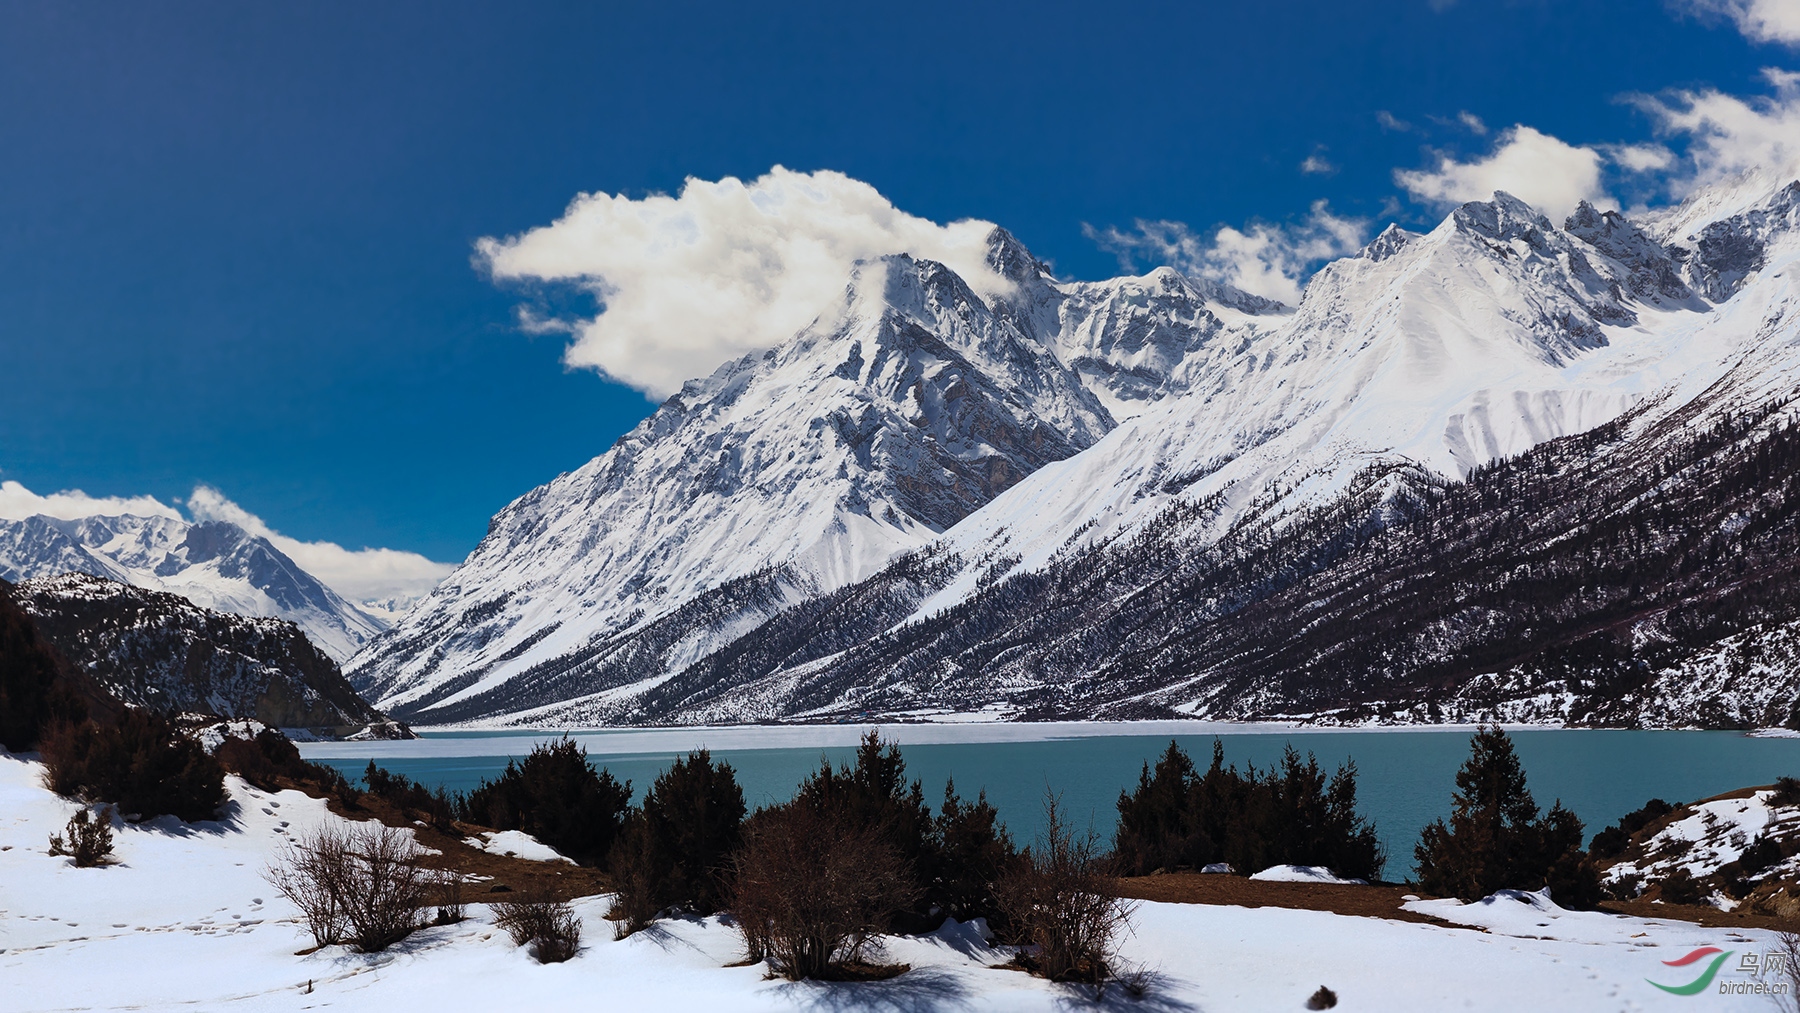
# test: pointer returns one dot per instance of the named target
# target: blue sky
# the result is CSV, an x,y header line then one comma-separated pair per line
x,y
238,241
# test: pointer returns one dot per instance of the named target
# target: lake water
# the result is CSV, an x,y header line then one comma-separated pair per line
x,y
1405,778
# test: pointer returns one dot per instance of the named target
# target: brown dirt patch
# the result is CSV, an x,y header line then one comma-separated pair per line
x,y
1377,900
1383,900
1698,914
502,876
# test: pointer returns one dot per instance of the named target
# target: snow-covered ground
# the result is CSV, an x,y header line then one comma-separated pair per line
x,y
515,844
186,921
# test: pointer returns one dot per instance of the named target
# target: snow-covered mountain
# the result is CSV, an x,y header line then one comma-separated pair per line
x,y
214,564
786,475
746,555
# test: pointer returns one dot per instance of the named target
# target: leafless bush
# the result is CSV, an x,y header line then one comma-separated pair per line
x,y
89,839
1788,974
311,872
810,894
361,885
1060,903
389,887
550,927
450,905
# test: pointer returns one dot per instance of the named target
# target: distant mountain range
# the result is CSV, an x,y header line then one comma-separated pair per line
x,y
214,564
1504,469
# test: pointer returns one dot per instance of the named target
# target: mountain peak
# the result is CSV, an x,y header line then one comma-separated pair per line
x,y
1504,218
1391,241
215,564
1011,260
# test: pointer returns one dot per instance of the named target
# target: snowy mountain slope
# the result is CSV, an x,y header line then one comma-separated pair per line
x,y
1115,598
1490,335
1409,367
1134,341
805,468
215,564
160,650
789,474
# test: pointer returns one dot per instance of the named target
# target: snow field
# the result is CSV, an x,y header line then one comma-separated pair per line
x,y
186,921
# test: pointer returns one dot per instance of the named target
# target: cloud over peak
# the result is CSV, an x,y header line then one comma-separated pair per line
x,y
361,575
1539,169
18,503
723,268
1728,136
1263,258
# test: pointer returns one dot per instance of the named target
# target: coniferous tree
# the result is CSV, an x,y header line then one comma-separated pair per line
x,y
973,852
1288,814
31,695
1495,839
673,852
556,796
143,764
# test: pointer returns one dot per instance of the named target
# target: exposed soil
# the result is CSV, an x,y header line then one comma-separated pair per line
x,y
1378,900
1383,900
1699,914
498,875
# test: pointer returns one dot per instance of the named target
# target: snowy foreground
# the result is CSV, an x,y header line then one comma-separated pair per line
x,y
186,921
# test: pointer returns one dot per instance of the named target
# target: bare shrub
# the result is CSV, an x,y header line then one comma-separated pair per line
x,y
811,892
638,877
1059,900
361,885
311,872
1787,946
550,927
450,904
89,839
388,887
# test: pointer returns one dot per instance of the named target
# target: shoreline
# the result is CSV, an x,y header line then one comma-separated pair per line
x,y
456,740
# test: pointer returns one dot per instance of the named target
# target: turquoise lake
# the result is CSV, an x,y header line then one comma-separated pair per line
x,y
1405,777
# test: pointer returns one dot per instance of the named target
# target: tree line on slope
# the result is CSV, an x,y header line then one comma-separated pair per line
x,y
1398,592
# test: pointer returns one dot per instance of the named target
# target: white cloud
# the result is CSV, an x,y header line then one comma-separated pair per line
x,y
725,268
1761,20
1317,164
1263,259
1535,167
1639,157
18,503
1728,136
361,575
1389,121
1472,121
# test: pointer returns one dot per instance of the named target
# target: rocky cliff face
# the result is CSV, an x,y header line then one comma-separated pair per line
x,y
160,650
